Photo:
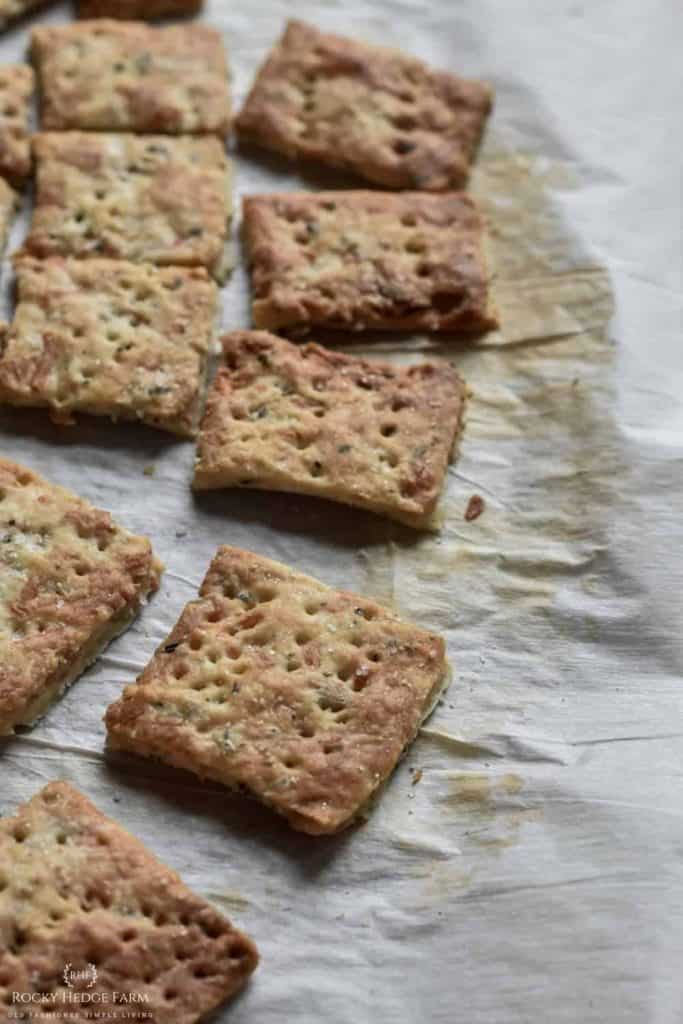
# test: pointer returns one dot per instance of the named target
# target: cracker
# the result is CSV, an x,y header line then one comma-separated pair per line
x,y
118,76
16,91
85,908
378,112
10,10
110,338
143,9
150,199
356,260
70,581
274,683
307,420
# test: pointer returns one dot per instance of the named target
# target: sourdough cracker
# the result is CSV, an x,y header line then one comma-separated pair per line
x,y
110,338
143,9
153,199
378,112
308,420
276,684
86,908
16,91
70,581
368,260
126,76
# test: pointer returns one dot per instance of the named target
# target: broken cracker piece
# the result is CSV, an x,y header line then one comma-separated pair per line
x,y
142,9
308,420
274,683
70,581
378,112
16,91
110,338
363,260
118,76
90,917
153,198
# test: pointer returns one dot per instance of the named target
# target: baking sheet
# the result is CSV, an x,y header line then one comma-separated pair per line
x,y
534,871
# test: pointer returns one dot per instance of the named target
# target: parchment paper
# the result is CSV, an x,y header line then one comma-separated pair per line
x,y
534,871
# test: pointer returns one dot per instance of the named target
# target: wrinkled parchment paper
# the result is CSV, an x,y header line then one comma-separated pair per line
x,y
524,864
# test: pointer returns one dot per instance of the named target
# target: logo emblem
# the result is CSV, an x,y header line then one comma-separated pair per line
x,y
88,974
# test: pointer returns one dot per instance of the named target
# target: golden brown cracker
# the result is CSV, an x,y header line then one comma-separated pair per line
x,y
92,922
307,420
110,338
111,75
378,112
153,199
272,682
368,260
70,581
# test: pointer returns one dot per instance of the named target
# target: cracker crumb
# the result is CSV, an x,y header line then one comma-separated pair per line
x,y
475,507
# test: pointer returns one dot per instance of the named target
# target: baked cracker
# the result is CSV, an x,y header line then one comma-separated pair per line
x,y
95,924
368,260
110,338
70,581
127,76
153,198
17,85
142,9
276,684
308,420
378,112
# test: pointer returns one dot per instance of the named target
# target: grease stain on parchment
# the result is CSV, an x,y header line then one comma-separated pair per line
x,y
491,808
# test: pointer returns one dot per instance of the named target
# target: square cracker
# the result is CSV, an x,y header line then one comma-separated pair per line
x,y
16,91
70,581
143,9
274,683
82,895
110,338
118,76
153,198
302,418
378,112
357,260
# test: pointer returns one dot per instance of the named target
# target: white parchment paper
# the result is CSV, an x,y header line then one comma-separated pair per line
x,y
533,873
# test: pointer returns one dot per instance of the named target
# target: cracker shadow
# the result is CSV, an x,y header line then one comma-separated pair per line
x,y
314,176
88,431
241,816
313,518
